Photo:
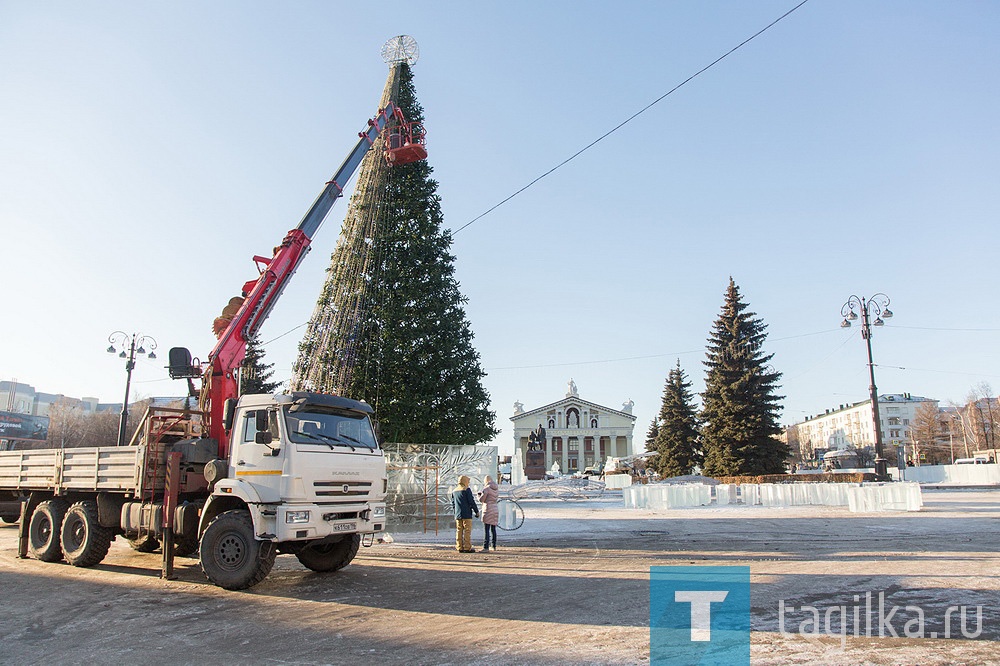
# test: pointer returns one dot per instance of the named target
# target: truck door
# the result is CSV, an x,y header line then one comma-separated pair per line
x,y
257,455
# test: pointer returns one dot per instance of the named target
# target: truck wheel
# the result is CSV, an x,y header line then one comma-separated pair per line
x,y
84,541
330,556
10,519
145,543
230,555
43,530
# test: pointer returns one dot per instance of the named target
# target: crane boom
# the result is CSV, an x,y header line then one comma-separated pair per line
x,y
335,188
220,380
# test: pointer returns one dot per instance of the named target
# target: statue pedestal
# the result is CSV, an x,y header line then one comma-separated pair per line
x,y
534,465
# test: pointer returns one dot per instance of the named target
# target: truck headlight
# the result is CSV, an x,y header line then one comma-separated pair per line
x,y
379,512
296,516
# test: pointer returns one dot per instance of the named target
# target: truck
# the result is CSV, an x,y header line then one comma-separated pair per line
x,y
238,479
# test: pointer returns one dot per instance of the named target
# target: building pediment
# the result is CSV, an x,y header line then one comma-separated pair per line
x,y
531,418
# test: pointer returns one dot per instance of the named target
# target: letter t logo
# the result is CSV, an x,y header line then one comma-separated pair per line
x,y
701,610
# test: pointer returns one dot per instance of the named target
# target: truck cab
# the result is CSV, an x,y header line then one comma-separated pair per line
x,y
308,465
305,475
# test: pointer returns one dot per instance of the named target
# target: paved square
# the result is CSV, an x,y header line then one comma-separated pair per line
x,y
569,587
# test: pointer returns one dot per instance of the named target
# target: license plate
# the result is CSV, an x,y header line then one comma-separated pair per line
x,y
344,527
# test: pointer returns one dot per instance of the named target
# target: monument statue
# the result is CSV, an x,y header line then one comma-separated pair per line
x,y
536,439
572,392
534,457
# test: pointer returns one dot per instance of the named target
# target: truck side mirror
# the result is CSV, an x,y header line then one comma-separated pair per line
x,y
228,414
261,420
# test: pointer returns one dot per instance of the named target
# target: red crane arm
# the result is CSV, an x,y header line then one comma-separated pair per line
x,y
221,378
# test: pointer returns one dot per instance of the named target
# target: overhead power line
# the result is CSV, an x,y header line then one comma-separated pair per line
x,y
648,356
939,328
942,372
606,135
292,330
636,114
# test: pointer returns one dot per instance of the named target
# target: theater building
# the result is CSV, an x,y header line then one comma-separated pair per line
x,y
578,433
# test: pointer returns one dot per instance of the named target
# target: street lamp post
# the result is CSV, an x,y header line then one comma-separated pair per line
x,y
877,305
136,344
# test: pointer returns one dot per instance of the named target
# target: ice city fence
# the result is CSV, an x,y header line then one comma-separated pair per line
x,y
959,475
885,497
858,497
421,478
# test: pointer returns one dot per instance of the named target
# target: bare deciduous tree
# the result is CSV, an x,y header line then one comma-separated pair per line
x,y
961,427
984,413
928,441
70,426
801,450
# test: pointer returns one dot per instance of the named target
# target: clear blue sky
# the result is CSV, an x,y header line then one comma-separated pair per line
x,y
149,150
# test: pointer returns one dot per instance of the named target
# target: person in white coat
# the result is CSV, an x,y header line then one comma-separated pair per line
x,y
489,496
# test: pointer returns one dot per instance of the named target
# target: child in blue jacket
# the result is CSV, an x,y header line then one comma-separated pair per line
x,y
465,506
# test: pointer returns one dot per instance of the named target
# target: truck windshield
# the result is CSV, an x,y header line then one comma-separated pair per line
x,y
331,427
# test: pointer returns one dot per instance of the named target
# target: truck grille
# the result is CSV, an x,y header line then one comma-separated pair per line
x,y
343,515
337,492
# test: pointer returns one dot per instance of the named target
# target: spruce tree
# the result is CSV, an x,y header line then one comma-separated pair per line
x,y
255,375
677,438
740,407
654,429
390,325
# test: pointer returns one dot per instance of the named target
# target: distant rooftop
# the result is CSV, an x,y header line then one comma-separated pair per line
x,y
885,397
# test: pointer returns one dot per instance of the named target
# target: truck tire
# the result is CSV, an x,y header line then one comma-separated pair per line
x,y
330,556
230,555
145,543
84,541
43,530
